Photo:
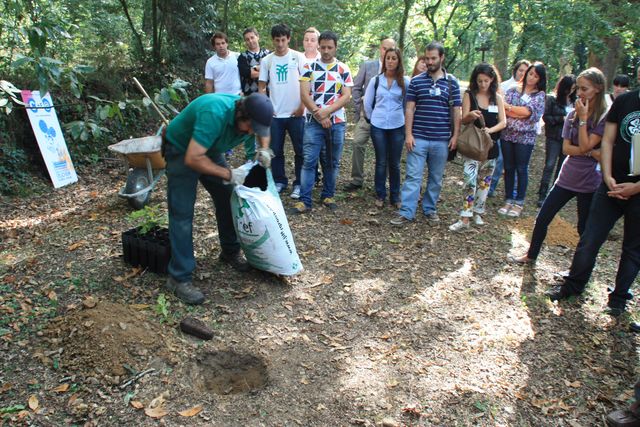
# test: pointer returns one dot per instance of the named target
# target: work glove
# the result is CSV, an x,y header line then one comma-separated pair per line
x,y
237,176
264,156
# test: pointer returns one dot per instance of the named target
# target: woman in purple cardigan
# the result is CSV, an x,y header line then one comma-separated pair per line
x,y
580,173
524,106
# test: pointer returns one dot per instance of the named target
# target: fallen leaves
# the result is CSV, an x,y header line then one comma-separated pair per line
x,y
89,302
136,404
76,245
156,413
61,388
191,412
34,404
132,273
156,408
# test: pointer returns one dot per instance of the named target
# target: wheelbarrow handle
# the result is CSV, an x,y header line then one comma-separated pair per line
x,y
144,92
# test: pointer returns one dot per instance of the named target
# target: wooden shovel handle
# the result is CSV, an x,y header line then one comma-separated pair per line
x,y
144,92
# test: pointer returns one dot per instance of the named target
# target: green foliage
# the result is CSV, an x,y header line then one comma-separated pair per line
x,y
149,218
8,96
162,306
14,175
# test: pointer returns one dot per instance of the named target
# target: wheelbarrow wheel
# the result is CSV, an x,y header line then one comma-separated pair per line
x,y
136,181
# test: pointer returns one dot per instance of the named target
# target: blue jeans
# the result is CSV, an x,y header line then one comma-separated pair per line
x,y
388,144
557,198
553,159
434,154
497,172
315,138
182,186
516,161
603,215
295,127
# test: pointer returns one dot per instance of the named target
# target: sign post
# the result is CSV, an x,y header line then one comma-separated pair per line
x,y
45,125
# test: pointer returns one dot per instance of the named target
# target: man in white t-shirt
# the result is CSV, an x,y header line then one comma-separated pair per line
x,y
280,72
310,44
221,71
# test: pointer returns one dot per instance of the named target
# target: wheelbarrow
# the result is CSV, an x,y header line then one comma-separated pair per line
x,y
145,163
145,166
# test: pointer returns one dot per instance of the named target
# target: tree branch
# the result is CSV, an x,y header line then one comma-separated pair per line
x,y
125,8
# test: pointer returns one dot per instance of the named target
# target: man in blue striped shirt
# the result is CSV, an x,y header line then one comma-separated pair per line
x,y
432,124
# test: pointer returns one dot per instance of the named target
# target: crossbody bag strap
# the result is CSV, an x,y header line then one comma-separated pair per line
x,y
475,102
375,91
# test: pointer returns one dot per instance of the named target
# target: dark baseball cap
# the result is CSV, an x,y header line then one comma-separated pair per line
x,y
260,111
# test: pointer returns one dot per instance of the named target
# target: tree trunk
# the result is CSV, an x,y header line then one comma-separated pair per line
x,y
504,34
403,24
136,35
609,61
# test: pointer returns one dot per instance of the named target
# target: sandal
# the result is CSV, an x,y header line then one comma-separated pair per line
x,y
522,260
515,211
505,209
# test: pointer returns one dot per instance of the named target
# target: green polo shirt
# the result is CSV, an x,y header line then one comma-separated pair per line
x,y
209,120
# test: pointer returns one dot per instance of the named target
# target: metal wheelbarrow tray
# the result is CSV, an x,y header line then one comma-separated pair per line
x,y
145,166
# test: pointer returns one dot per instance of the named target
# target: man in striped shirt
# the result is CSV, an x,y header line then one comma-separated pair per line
x,y
432,124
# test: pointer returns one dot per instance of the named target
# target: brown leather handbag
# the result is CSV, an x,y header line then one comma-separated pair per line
x,y
473,142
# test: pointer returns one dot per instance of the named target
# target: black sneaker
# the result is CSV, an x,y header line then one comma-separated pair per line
x,y
615,311
298,209
350,187
634,327
560,292
328,202
237,261
185,291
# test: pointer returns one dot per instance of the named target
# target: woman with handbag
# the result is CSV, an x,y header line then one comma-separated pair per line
x,y
482,107
384,102
580,173
524,106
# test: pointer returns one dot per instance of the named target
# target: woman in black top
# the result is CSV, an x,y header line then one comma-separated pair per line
x,y
555,111
481,99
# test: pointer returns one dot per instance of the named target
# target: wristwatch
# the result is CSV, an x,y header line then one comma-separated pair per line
x,y
582,123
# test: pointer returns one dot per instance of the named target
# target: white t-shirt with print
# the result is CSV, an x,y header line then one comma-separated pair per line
x,y
224,73
282,74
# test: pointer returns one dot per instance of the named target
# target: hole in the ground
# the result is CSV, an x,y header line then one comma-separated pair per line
x,y
228,372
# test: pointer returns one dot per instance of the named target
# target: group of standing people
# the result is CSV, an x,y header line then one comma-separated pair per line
x,y
305,93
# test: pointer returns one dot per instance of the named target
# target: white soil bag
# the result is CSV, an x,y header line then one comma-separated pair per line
x,y
261,224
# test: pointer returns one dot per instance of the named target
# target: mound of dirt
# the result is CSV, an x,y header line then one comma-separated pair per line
x,y
560,232
102,340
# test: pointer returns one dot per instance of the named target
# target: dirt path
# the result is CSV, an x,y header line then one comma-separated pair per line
x,y
412,325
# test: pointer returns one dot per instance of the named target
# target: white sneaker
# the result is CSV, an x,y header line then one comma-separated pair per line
x,y
295,194
280,186
477,220
459,227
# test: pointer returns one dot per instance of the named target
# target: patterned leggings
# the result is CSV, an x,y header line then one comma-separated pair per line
x,y
477,179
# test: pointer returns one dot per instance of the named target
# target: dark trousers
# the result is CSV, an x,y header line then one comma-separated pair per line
x,y
182,186
557,198
604,213
553,159
295,127
388,144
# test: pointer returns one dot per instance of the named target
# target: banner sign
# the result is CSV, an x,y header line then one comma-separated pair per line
x,y
46,128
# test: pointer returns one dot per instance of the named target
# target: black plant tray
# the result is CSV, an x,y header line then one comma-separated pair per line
x,y
151,250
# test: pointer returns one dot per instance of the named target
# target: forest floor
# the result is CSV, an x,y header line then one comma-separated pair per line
x,y
413,325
